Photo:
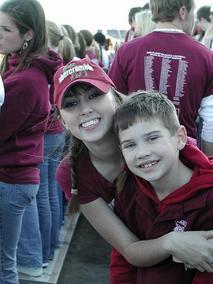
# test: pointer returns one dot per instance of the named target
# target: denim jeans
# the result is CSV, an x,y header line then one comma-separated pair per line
x,y
48,201
13,200
199,130
29,252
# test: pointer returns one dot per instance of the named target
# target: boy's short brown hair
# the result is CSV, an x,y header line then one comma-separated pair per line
x,y
144,105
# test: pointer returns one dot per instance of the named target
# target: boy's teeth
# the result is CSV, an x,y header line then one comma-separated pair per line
x,y
148,165
90,123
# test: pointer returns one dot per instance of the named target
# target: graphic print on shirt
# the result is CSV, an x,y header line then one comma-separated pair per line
x,y
180,226
172,66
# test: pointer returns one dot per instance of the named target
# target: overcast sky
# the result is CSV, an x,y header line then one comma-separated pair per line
x,y
94,14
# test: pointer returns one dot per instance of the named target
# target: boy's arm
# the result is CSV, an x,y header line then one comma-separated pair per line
x,y
148,252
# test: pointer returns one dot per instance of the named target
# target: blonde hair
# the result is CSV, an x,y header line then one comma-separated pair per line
x,y
61,41
144,23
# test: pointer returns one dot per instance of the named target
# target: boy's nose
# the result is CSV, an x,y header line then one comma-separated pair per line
x,y
142,151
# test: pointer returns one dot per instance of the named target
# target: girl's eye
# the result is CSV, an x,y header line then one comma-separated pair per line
x,y
5,29
69,104
94,95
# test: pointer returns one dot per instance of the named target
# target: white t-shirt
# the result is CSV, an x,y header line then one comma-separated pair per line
x,y
2,92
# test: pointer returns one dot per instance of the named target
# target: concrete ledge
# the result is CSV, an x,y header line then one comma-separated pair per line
x,y
51,273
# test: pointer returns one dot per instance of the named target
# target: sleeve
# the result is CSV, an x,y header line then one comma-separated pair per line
x,y
87,182
63,177
116,73
121,272
203,278
23,103
206,113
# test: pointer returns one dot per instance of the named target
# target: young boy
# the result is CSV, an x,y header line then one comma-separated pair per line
x,y
168,183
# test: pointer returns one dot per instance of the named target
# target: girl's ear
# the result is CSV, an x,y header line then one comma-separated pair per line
x,y
61,120
28,35
181,137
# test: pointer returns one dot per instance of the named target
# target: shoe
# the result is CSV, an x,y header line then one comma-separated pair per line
x,y
45,264
30,271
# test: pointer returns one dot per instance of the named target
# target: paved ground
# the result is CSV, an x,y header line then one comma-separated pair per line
x,y
86,260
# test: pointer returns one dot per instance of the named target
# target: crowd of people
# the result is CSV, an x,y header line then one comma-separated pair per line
x,y
125,135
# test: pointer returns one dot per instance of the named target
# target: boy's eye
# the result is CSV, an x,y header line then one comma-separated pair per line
x,y
152,138
128,145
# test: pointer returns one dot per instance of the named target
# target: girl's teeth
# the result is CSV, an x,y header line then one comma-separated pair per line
x,y
90,123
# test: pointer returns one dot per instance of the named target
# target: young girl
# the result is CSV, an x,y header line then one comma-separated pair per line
x,y
27,71
87,101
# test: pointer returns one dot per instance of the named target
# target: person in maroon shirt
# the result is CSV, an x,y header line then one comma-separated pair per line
x,y
168,185
27,70
87,100
182,69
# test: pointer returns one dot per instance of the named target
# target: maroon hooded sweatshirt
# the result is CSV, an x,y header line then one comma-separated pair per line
x,y
188,208
24,116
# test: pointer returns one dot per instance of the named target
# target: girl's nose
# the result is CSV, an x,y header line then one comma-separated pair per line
x,y
86,109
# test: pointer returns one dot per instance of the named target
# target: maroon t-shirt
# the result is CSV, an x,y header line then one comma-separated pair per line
x,y
189,208
172,63
91,184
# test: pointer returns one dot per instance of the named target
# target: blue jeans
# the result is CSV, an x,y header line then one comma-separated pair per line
x,y
199,131
48,201
29,252
13,200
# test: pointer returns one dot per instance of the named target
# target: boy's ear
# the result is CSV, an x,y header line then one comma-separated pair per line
x,y
181,137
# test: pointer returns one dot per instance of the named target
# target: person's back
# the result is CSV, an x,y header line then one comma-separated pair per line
x,y
208,37
203,21
131,19
150,63
104,58
161,192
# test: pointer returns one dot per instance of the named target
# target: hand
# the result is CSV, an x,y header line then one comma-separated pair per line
x,y
187,266
194,249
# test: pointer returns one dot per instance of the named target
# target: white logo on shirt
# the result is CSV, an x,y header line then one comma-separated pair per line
x,y
180,226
